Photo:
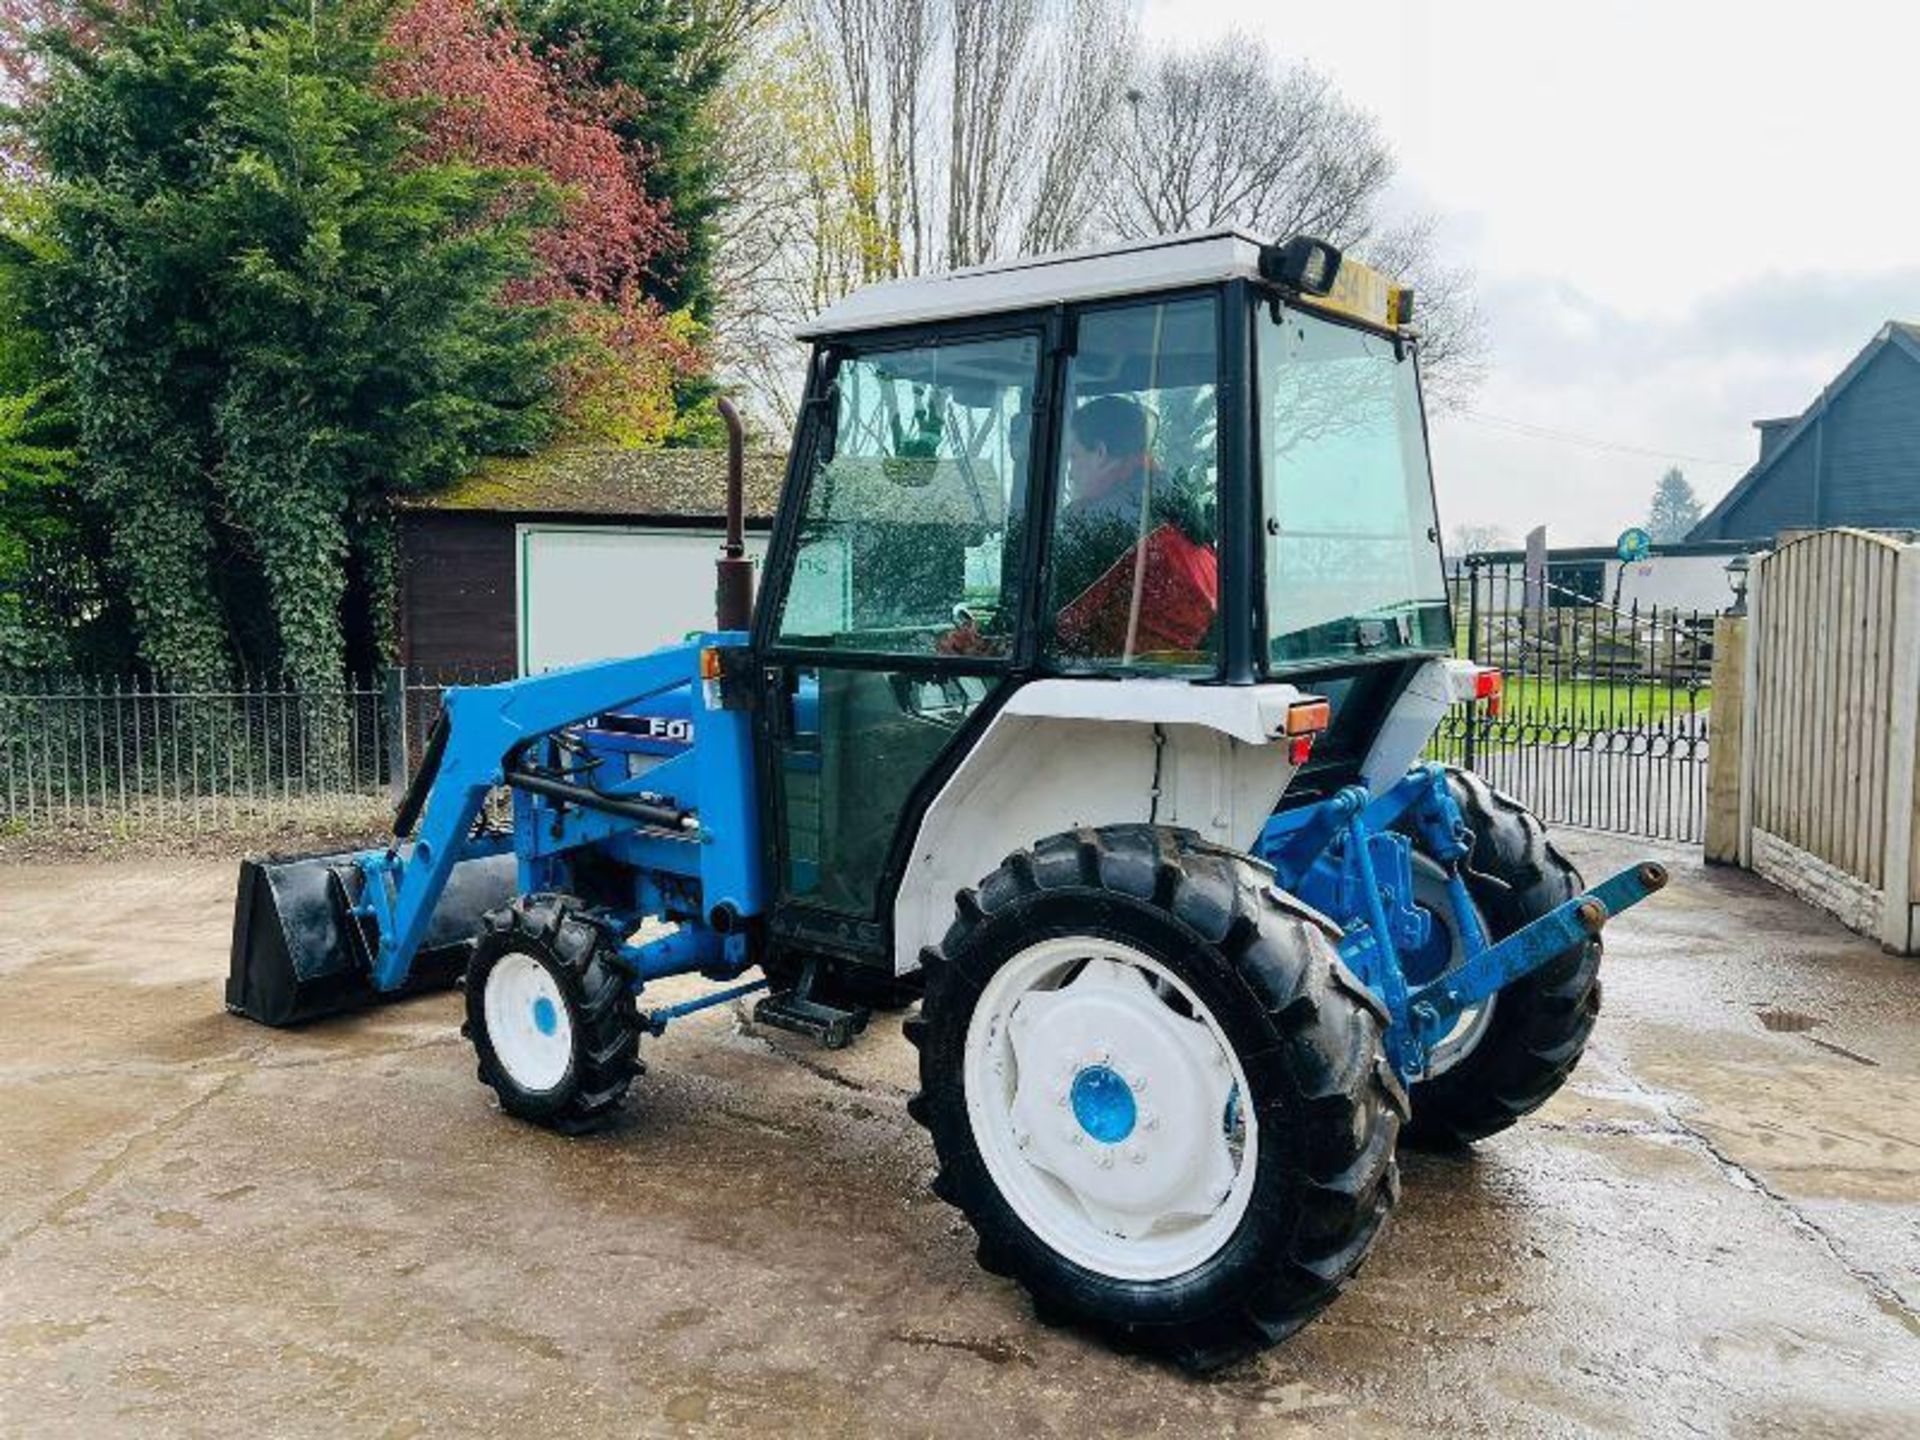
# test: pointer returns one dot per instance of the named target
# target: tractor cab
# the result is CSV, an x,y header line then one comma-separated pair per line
x,y
1199,460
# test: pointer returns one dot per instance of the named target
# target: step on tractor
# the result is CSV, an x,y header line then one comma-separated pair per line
x,y
1100,635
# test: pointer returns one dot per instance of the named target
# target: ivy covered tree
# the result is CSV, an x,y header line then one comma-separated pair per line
x,y
37,502
274,308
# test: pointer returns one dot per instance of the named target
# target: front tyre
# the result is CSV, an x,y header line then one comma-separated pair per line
x,y
551,1015
1156,1093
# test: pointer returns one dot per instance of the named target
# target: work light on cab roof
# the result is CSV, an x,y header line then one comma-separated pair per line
x,y
1099,638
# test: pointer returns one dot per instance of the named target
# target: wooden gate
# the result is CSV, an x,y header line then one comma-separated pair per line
x,y
1828,737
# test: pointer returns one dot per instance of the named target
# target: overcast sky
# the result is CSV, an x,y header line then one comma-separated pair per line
x,y
1684,216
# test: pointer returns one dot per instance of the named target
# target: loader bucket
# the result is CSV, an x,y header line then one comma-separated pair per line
x,y
299,953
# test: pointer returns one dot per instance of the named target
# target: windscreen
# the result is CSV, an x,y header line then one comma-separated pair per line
x,y
1353,547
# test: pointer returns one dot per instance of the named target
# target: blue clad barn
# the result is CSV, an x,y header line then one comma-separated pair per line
x,y
1852,458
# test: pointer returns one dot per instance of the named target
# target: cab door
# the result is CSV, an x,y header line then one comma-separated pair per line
x,y
891,621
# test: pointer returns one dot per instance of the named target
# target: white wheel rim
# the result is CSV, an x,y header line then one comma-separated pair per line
x,y
1109,1108
1430,893
528,1023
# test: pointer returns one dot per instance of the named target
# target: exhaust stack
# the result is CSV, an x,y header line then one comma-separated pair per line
x,y
733,589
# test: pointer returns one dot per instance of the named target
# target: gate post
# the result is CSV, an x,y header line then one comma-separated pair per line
x,y
393,712
1473,653
1726,717
1750,710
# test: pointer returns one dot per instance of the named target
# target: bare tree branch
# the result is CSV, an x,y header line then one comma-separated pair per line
x,y
1226,135
866,140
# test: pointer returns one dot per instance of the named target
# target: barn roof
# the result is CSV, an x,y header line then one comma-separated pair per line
x,y
1899,334
584,480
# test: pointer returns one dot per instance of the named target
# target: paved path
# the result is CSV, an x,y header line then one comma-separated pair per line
x,y
214,1229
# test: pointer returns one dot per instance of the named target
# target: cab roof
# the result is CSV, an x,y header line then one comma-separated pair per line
x,y
1132,268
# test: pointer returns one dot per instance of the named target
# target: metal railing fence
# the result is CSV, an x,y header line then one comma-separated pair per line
x,y
1606,723
1605,718
80,751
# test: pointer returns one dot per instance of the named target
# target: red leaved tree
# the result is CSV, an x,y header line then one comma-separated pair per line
x,y
23,25
495,102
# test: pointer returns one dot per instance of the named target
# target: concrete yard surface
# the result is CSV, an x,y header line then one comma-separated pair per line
x,y
209,1228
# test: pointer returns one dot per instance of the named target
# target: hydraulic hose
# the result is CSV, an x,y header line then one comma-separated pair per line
x,y
659,816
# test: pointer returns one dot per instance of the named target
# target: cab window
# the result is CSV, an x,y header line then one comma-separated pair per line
x,y
1353,548
1134,578
915,485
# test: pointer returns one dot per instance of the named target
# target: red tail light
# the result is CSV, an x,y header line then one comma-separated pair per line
x,y
1487,687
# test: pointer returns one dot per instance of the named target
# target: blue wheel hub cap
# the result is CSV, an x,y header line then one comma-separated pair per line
x,y
1103,1104
546,1019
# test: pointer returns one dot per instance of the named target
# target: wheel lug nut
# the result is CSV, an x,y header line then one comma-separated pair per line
x,y
1137,1155
1106,1161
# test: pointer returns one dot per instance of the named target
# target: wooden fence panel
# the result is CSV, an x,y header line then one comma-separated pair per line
x,y
1827,795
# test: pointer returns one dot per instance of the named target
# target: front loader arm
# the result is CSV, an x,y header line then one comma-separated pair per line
x,y
483,727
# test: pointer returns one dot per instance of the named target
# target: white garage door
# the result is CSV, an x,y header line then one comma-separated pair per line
x,y
591,592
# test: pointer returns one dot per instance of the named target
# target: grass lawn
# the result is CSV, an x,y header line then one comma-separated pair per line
x,y
1616,702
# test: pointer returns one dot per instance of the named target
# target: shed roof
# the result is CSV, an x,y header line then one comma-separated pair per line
x,y
584,480
1901,334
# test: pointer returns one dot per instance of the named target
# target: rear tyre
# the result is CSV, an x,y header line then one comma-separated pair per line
x,y
551,1015
1156,1093
1535,1029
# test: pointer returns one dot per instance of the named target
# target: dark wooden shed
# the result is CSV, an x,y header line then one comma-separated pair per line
x,y
464,603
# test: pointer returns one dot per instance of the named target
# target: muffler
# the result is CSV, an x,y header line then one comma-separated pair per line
x,y
300,953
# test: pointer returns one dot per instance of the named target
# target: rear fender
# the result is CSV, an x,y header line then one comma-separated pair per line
x,y
1062,754
1436,687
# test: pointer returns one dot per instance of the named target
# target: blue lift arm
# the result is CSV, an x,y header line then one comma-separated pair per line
x,y
486,725
1349,856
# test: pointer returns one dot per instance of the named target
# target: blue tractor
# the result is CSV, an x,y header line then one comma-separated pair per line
x,y
1101,633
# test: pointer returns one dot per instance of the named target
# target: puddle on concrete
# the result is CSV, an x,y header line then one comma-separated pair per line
x,y
1887,1305
1795,1022
994,1349
1787,1022
689,1407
